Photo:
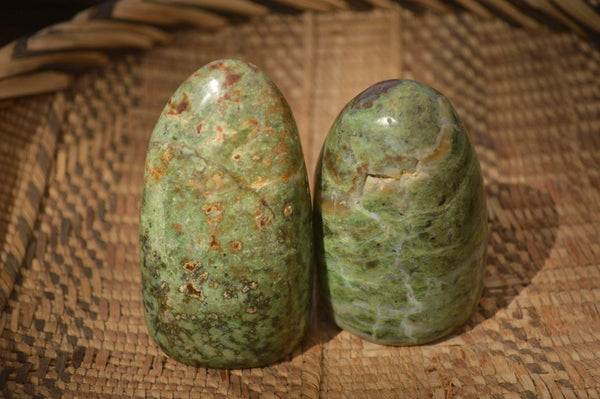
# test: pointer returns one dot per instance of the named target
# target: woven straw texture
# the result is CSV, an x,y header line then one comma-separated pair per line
x,y
72,163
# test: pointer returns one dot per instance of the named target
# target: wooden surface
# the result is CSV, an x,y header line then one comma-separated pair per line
x,y
72,166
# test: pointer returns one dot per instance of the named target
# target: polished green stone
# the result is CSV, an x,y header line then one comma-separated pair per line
x,y
400,216
225,224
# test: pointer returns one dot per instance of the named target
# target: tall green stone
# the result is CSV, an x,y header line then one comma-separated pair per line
x,y
400,216
225,225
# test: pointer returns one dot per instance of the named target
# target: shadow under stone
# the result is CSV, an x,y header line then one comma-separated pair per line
x,y
522,229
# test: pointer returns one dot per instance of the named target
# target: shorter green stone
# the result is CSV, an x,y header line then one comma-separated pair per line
x,y
400,216
226,243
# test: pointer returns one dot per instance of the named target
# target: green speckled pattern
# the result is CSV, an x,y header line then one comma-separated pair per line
x,y
225,226
400,216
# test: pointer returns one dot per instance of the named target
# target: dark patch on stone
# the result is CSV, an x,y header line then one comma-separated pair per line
x,y
177,109
368,97
232,78
192,291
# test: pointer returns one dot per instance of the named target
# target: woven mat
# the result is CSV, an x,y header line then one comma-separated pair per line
x,y
72,165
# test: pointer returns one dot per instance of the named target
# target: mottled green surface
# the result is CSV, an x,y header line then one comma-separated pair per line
x,y
400,207
225,226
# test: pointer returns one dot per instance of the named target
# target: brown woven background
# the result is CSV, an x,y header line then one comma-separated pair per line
x,y
72,166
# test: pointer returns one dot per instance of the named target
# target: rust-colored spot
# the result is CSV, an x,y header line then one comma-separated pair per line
x,y
203,276
167,156
217,179
232,78
262,222
214,243
190,266
156,173
215,65
360,176
213,221
361,171
177,109
282,149
212,208
252,122
230,293
177,228
236,157
235,245
199,128
193,292
220,129
252,310
253,285
288,210
285,176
